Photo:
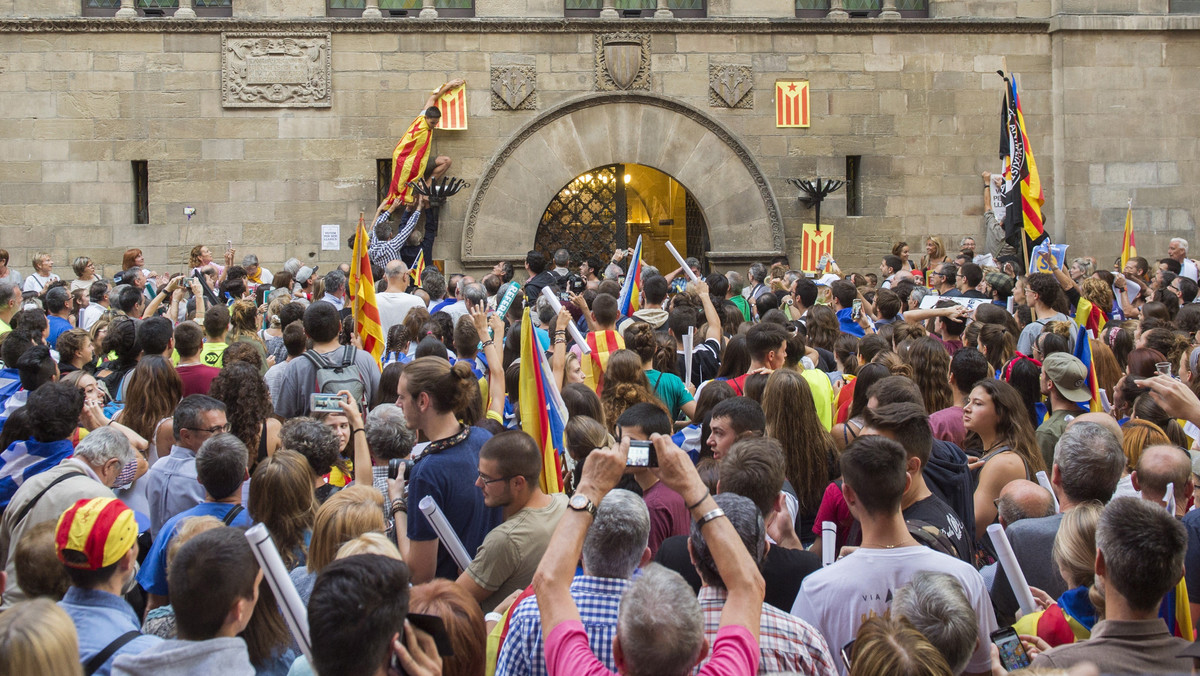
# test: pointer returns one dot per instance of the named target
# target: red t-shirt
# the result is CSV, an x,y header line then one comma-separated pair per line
x,y
197,378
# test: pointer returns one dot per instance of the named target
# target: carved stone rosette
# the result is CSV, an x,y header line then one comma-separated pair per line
x,y
730,86
276,70
622,61
514,88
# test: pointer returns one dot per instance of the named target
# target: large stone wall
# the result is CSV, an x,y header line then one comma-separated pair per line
x,y
1109,110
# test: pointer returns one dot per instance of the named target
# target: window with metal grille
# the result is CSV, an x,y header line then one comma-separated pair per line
x,y
587,217
862,8
400,8
681,8
853,186
153,8
383,179
141,192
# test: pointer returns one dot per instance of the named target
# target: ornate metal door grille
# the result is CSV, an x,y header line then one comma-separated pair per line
x,y
586,217
697,232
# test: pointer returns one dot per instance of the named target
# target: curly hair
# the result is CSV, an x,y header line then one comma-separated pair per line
x,y
157,387
823,327
625,384
247,403
315,441
930,363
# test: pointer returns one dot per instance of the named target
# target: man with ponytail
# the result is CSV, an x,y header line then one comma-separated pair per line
x,y
435,398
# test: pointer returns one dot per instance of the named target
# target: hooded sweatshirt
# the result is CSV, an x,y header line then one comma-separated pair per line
x,y
223,656
654,316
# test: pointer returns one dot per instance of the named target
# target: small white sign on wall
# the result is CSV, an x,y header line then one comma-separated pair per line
x,y
331,237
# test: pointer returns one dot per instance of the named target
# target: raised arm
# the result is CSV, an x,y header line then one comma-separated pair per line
x,y
712,319
558,349
437,94
491,351
358,434
919,315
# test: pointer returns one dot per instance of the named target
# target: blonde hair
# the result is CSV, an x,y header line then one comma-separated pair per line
x,y
369,543
37,638
1138,435
347,514
891,645
188,529
1075,545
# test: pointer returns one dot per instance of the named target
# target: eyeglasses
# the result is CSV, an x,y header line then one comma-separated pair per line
x,y
215,429
483,478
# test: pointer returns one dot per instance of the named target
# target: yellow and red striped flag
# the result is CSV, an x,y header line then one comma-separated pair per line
x,y
409,159
602,345
1128,243
418,267
453,105
816,243
362,293
543,415
791,104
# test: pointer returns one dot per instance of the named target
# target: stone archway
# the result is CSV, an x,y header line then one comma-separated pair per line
x,y
736,199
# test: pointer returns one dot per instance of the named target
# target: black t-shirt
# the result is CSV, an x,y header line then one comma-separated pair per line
x,y
828,362
783,569
706,359
936,513
972,293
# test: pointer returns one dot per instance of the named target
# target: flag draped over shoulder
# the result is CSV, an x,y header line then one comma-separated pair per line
x,y
1023,196
602,345
631,291
1128,243
409,159
1083,352
543,413
361,288
1089,316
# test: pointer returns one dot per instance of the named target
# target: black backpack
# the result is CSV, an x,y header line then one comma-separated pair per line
x,y
332,378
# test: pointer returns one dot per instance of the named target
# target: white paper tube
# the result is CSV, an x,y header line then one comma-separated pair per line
x,y
571,328
433,512
828,542
286,597
1170,498
687,270
1044,482
509,296
1012,569
689,343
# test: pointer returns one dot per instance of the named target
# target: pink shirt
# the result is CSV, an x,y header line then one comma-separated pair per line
x,y
947,425
734,653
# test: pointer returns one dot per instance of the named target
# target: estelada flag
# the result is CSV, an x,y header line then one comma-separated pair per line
x,y
409,159
418,267
543,413
1022,183
791,104
453,105
1083,352
814,244
362,293
631,291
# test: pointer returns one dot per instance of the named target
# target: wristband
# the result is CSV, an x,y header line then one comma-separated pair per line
x,y
488,343
710,516
357,430
493,617
702,499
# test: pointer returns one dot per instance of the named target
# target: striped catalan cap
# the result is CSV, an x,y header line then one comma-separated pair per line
x,y
95,533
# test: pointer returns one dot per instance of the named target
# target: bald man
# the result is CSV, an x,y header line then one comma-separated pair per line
x,y
1023,499
394,303
1159,466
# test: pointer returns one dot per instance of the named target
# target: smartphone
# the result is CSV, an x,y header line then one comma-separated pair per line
x,y
1012,651
856,310
822,262
323,402
641,454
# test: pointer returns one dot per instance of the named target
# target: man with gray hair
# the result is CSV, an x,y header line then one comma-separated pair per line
x,y
255,273
171,484
937,607
734,294
614,548
1088,462
758,280
461,290
1177,250
786,643
659,627
394,302
90,473
1159,467
335,290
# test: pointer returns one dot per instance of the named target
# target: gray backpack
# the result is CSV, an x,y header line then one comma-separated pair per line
x,y
332,378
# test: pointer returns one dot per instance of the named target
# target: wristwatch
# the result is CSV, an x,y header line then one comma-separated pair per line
x,y
582,503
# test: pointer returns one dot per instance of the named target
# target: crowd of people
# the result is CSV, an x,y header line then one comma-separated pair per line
x,y
829,483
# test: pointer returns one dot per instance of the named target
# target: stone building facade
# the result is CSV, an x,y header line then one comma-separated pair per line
x,y
1109,92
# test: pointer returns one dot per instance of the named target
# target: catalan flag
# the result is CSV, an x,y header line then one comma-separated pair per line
x,y
602,345
1083,352
791,104
453,105
499,633
543,413
409,159
1128,243
418,267
361,288
1089,316
1023,196
631,291
1176,611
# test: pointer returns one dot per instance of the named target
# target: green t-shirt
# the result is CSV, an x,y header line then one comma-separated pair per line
x,y
1051,429
213,354
669,388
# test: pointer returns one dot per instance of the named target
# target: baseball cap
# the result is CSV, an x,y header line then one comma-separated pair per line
x,y
827,279
305,273
97,532
1068,375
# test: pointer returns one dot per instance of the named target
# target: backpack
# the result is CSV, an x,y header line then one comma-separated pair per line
x,y
332,378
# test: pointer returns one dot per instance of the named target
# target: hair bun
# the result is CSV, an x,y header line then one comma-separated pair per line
x,y
462,370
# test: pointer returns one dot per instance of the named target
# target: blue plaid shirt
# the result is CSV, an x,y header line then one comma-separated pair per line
x,y
598,598
383,252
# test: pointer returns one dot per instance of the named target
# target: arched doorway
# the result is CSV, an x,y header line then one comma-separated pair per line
x,y
631,128
609,207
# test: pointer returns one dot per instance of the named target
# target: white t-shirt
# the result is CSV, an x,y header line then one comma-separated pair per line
x,y
394,307
837,599
36,282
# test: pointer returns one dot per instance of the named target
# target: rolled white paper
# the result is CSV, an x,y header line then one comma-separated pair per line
x,y
828,542
1044,481
571,328
687,270
1016,576
431,510
689,343
286,597
1170,498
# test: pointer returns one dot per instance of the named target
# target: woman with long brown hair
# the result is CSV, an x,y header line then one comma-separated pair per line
x,y
998,429
996,344
810,461
625,384
930,363
154,390
281,497
823,328
248,409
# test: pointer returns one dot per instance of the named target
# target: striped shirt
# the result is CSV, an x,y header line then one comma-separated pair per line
x,y
523,652
787,644
383,252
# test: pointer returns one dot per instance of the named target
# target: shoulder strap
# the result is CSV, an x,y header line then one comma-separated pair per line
x,y
348,355
318,360
91,666
29,505
231,515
